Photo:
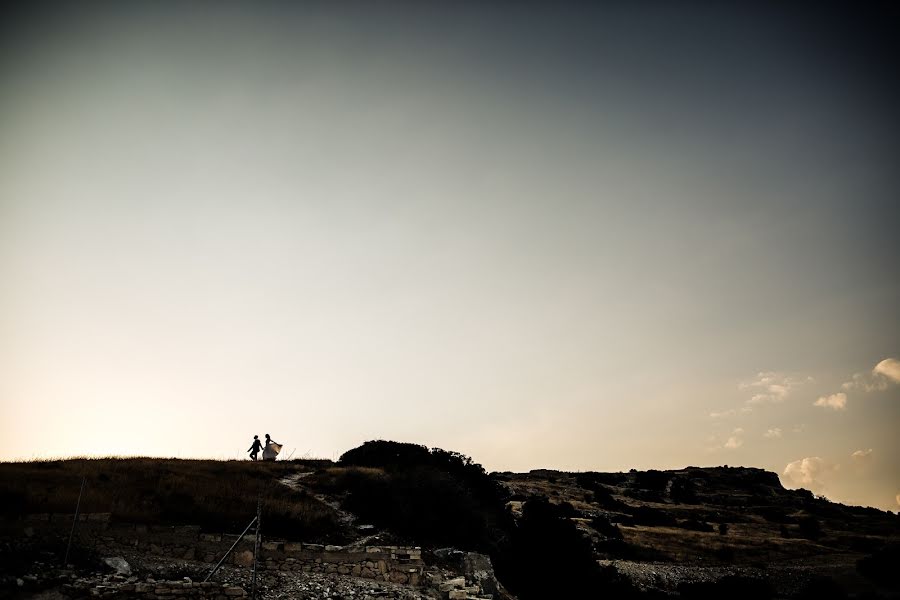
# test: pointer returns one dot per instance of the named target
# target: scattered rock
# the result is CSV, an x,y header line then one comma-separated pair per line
x,y
118,564
235,591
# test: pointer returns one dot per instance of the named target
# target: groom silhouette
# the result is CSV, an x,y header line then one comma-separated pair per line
x,y
255,448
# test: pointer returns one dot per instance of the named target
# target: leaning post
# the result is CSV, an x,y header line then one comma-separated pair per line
x,y
74,522
236,542
256,548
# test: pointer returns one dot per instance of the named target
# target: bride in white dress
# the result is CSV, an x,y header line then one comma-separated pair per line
x,y
271,449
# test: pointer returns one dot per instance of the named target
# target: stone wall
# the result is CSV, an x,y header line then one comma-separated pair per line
x,y
398,564
163,590
97,532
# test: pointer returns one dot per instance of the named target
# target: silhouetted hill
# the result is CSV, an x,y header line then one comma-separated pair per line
x,y
691,532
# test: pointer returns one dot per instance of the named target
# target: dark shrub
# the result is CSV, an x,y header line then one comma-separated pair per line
x,y
695,525
12,502
803,494
432,496
601,494
443,498
605,499
683,491
653,517
652,480
606,528
567,510
809,528
612,547
881,566
545,544
822,588
585,480
382,453
863,544
774,514
425,504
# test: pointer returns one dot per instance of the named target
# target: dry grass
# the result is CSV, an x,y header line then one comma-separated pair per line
x,y
743,544
765,523
217,495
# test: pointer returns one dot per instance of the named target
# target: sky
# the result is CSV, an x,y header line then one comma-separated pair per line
x,y
632,235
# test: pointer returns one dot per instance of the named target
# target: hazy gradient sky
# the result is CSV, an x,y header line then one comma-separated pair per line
x,y
643,235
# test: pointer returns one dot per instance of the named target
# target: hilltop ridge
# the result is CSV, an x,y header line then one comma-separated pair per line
x,y
544,533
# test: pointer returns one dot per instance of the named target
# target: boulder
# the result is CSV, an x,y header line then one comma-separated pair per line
x,y
118,564
479,570
475,568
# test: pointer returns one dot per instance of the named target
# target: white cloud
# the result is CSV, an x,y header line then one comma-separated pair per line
x,y
767,387
878,380
773,433
722,413
744,410
810,473
890,368
772,387
866,383
862,461
898,499
862,454
734,442
834,401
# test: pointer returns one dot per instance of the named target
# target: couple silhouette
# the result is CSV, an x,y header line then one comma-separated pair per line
x,y
269,452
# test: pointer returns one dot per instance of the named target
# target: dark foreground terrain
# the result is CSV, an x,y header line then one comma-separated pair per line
x,y
691,533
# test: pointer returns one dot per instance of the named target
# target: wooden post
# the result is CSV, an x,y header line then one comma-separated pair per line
x,y
236,542
256,549
74,522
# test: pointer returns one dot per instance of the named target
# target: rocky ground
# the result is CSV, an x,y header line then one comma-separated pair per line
x,y
662,531
787,580
47,581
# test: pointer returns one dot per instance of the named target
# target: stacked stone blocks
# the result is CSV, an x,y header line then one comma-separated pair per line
x,y
397,564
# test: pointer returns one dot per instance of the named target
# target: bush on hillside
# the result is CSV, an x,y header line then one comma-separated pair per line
x,y
394,457
602,525
382,453
434,497
822,588
775,514
683,491
652,480
600,493
698,525
546,544
809,528
442,498
881,566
